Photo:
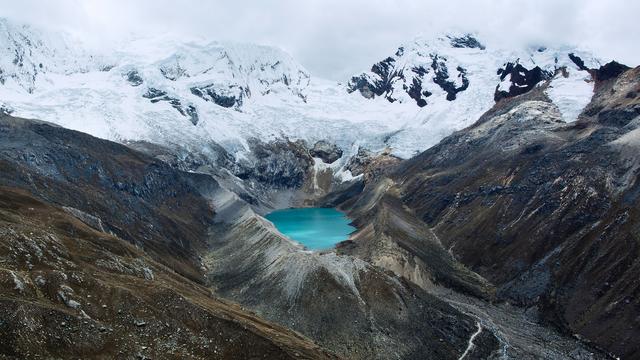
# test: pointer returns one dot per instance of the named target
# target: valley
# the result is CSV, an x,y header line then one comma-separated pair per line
x,y
188,200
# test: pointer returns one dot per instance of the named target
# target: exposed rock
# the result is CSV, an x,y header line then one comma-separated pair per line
x,y
193,114
520,80
156,95
280,164
578,61
609,71
358,162
326,151
229,96
372,165
88,219
408,73
211,156
441,77
369,87
134,78
6,110
466,41
153,93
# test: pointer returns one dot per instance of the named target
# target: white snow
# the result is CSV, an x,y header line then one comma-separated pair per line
x,y
89,92
572,93
19,285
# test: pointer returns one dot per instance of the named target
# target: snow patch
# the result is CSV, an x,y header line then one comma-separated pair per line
x,y
572,93
19,284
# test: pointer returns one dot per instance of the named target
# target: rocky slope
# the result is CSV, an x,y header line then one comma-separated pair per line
x,y
545,209
252,263
188,223
391,236
135,197
70,287
69,291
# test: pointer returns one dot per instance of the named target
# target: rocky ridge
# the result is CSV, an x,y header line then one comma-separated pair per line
x,y
542,208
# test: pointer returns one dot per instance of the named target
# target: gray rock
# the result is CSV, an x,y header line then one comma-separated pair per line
x,y
326,151
134,78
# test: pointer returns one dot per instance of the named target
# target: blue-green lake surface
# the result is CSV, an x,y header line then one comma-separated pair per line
x,y
315,228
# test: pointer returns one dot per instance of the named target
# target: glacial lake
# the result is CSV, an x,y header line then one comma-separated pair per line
x,y
315,228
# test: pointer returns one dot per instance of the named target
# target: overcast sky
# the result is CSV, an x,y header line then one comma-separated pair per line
x,y
337,38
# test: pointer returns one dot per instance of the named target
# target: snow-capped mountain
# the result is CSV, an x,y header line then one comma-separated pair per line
x,y
28,53
459,68
190,94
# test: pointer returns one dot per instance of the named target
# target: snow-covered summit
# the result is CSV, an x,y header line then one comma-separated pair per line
x,y
455,76
193,93
28,52
429,69
227,74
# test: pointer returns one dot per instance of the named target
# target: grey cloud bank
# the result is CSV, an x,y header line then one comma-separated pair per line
x,y
336,39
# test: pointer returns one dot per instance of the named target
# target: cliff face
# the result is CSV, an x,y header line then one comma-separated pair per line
x,y
545,210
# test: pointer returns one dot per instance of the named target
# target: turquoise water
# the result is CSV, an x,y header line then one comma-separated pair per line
x,y
315,228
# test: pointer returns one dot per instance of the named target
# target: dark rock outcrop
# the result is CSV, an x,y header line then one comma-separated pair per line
x,y
609,71
386,72
329,153
522,80
5,110
226,97
134,78
280,164
156,95
578,61
441,77
387,79
371,165
466,41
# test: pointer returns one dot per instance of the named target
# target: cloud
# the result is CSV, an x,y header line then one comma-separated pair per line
x,y
337,38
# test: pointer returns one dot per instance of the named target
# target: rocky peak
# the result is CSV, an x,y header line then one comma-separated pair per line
x,y
418,70
435,70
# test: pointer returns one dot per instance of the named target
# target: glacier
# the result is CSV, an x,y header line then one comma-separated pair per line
x,y
189,94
